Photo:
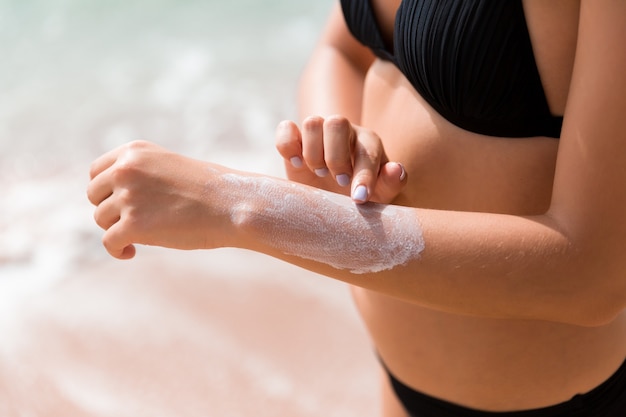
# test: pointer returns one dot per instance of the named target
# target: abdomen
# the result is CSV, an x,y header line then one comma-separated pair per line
x,y
484,363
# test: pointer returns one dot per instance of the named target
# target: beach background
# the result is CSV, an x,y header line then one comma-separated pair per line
x,y
170,333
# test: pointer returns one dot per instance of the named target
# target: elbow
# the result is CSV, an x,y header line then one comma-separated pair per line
x,y
601,286
592,278
586,306
583,290
599,299
603,307
597,314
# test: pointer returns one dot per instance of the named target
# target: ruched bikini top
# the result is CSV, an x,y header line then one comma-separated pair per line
x,y
471,60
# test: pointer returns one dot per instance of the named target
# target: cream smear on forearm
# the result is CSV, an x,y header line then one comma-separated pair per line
x,y
323,226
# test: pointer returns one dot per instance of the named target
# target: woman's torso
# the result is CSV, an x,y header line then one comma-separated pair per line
x,y
489,364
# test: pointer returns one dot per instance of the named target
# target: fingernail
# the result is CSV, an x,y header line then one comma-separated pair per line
x,y
321,172
360,193
296,162
343,180
402,172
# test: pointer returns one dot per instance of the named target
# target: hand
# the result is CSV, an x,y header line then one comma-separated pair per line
x,y
148,195
337,156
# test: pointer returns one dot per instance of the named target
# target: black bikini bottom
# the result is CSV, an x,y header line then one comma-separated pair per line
x,y
606,400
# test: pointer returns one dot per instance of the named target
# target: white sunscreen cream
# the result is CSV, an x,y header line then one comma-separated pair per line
x,y
325,227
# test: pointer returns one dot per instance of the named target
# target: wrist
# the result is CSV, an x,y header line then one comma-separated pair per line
x,y
235,201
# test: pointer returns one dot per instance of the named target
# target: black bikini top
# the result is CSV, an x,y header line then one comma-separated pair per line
x,y
471,60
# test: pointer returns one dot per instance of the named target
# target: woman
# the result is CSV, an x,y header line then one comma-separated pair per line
x,y
486,258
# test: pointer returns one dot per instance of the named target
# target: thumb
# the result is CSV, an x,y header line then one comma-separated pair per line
x,y
391,180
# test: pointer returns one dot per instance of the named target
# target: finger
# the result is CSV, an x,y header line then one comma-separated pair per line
x,y
107,213
116,242
289,143
368,157
338,138
391,179
103,163
99,188
289,146
313,145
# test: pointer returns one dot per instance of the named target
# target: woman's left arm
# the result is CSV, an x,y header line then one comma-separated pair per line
x,y
569,263
589,193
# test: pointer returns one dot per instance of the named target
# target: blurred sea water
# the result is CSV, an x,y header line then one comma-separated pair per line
x,y
170,333
206,78
78,77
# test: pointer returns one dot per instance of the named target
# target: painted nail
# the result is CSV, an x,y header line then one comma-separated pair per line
x,y
321,172
402,171
296,162
343,180
360,193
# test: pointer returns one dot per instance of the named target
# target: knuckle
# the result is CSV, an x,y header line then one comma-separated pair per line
x,y
123,172
369,139
125,197
128,166
137,144
284,125
337,120
369,155
337,126
287,140
369,147
285,130
312,123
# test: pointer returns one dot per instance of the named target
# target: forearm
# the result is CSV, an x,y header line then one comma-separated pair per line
x,y
484,264
283,218
466,263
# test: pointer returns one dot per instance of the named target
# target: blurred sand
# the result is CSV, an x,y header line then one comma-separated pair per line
x,y
221,333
